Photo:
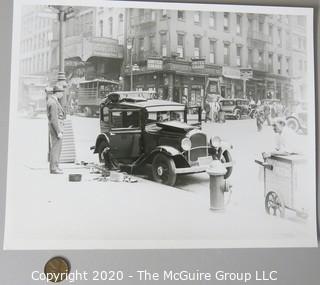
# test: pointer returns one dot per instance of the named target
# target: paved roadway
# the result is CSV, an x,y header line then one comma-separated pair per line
x,y
46,211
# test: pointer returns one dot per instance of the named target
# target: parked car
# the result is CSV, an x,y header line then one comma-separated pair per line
x,y
235,108
140,132
297,120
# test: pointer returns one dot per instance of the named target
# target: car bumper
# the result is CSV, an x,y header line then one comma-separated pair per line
x,y
198,168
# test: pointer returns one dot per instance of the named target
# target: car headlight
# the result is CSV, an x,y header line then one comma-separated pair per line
x,y
215,141
186,144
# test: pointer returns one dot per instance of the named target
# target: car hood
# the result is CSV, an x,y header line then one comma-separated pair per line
x,y
175,126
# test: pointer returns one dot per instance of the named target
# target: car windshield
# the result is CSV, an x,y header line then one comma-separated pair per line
x,y
227,103
163,116
242,103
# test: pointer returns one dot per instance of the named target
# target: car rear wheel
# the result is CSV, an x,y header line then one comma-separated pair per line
x,y
225,158
293,124
238,116
164,170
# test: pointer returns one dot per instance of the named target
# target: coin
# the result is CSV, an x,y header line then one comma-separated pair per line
x,y
57,269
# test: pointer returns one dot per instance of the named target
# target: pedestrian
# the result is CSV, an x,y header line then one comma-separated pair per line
x,y
267,112
55,114
286,140
215,110
260,118
207,110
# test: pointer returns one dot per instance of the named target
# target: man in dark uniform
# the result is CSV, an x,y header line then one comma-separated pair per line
x,y
55,114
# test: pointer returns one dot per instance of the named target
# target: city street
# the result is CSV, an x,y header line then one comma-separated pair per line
x,y
48,212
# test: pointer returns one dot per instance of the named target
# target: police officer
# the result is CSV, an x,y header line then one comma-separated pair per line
x,y
55,114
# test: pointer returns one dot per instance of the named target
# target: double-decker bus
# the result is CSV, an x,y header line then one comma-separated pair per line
x,y
91,92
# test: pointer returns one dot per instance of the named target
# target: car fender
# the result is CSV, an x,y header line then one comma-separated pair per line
x,y
168,150
101,137
226,146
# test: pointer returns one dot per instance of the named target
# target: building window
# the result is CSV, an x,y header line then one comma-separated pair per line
x,y
226,22
270,32
239,24
261,27
250,26
212,55
270,62
279,64
180,15
260,58
196,17
300,65
153,15
152,44
141,15
101,28
288,40
279,37
180,49
286,19
110,26
141,48
212,20
239,51
250,57
197,43
288,65
226,54
301,20
121,25
163,44
164,13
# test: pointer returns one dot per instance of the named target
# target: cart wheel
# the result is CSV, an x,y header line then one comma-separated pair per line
x,y
274,205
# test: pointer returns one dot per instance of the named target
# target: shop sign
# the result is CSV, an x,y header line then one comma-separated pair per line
x,y
154,64
213,87
246,73
197,63
231,72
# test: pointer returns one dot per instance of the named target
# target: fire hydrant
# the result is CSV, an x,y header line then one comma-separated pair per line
x,y
218,185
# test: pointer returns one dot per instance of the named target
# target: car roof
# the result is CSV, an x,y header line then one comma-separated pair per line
x,y
155,105
234,99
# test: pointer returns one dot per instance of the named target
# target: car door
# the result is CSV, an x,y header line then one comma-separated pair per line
x,y
125,134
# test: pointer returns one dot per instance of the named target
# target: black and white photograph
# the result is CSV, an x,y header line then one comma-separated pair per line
x,y
139,125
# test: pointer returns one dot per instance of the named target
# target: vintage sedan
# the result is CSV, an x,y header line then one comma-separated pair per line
x,y
139,132
235,108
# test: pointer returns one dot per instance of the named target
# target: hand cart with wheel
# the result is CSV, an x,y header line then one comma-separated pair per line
x,y
285,184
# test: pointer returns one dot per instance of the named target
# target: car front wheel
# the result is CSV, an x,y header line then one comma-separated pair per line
x,y
101,148
164,170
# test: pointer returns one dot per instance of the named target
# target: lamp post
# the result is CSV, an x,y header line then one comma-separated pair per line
x,y
130,48
64,13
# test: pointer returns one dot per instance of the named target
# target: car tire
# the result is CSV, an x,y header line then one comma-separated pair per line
x,y
238,116
100,149
225,158
293,124
164,170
